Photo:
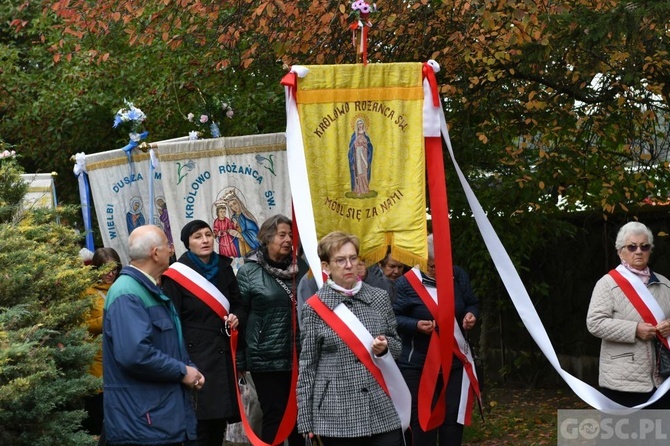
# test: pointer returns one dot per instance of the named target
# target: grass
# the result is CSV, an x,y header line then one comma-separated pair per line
x,y
519,416
516,417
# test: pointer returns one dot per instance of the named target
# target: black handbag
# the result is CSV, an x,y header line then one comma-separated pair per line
x,y
662,359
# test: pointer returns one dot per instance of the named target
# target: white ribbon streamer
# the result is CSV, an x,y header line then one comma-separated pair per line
x,y
80,163
524,306
431,114
302,197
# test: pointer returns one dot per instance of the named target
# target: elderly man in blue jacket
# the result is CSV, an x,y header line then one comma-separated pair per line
x,y
148,377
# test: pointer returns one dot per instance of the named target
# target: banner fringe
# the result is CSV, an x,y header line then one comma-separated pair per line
x,y
374,256
408,258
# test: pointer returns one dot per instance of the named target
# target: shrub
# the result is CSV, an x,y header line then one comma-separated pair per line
x,y
44,348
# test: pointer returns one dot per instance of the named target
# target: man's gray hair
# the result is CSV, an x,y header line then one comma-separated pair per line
x,y
139,247
632,228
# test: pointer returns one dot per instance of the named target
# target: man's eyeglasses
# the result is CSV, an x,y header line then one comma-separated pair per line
x,y
643,247
342,261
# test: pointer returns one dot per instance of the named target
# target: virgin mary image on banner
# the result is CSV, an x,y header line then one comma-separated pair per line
x,y
245,224
360,160
134,217
164,218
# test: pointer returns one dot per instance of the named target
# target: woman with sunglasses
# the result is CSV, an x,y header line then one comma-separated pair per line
x,y
629,309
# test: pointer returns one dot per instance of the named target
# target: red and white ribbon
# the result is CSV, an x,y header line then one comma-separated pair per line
x,y
383,368
200,287
640,297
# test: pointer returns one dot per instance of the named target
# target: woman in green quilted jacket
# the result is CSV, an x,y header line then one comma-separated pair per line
x,y
268,281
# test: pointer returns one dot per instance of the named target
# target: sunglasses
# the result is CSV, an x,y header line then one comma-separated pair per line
x,y
643,247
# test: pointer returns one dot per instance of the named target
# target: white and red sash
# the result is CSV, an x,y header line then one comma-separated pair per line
x,y
204,290
640,297
383,368
200,287
431,418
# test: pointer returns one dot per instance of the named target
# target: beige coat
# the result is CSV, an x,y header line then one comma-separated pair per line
x,y
627,364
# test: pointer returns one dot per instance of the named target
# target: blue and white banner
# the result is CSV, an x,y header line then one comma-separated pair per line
x,y
121,196
233,184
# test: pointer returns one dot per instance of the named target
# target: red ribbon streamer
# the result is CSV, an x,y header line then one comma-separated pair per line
x,y
291,413
290,80
429,75
437,187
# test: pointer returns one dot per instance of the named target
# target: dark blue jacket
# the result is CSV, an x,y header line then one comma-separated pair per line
x,y
409,309
144,361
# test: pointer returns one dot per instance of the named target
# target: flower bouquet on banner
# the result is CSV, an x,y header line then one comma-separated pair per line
x,y
359,20
208,119
131,119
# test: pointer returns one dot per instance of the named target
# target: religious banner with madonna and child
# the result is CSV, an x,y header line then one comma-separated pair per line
x,y
233,184
126,192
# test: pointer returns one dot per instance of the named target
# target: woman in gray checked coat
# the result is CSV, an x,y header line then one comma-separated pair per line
x,y
338,398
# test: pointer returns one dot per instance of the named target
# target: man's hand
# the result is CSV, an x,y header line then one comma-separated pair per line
x,y
193,378
469,321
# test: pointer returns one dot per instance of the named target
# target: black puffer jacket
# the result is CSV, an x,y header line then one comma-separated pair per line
x,y
267,334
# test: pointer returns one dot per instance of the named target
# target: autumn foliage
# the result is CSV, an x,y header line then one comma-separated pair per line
x,y
566,97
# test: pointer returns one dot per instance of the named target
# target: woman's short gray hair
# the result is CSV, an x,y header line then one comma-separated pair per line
x,y
632,228
269,228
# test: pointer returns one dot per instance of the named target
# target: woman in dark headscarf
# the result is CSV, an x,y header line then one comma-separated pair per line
x,y
204,290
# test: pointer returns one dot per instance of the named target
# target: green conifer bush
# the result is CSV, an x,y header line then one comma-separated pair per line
x,y
45,351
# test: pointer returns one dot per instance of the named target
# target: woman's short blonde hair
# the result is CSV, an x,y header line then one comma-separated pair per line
x,y
332,242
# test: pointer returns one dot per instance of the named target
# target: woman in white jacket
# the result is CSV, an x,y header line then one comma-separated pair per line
x,y
628,372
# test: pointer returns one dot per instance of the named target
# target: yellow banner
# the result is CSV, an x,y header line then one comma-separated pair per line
x,y
362,130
